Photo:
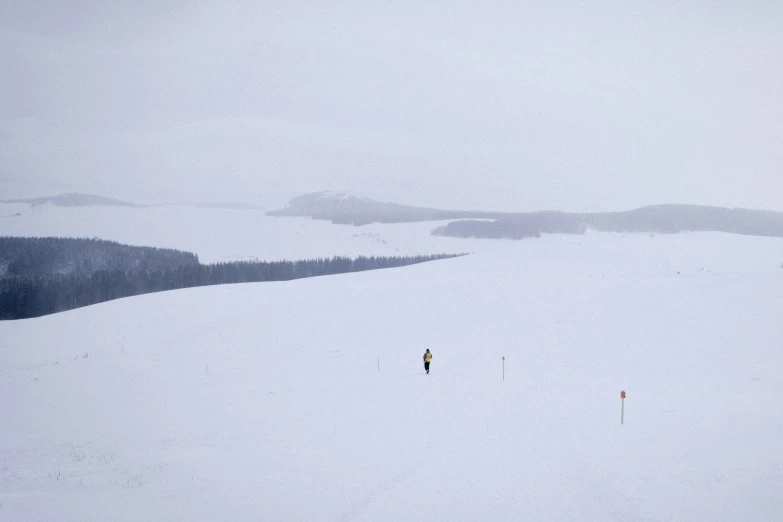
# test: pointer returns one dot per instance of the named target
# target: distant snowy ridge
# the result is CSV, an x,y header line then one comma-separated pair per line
x,y
346,209
91,200
73,200
343,208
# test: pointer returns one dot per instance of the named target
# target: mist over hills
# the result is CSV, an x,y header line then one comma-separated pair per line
x,y
343,208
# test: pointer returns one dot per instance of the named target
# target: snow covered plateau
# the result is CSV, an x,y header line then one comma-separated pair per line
x,y
307,400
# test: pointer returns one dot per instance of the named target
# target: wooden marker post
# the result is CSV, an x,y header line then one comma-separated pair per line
x,y
504,367
622,405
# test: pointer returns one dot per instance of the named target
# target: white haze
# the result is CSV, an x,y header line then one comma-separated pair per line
x,y
494,105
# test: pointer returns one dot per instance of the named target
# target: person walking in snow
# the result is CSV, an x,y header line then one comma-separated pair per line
x,y
427,359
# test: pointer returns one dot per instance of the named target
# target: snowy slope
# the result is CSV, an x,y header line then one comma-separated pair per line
x,y
266,401
218,234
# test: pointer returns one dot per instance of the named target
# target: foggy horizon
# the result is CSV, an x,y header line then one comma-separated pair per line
x,y
494,107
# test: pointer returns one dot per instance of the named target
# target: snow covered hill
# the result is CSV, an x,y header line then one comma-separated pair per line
x,y
307,400
72,200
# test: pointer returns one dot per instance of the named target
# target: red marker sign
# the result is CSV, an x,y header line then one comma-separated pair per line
x,y
622,405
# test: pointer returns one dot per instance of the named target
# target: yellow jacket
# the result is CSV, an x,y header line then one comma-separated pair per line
x,y
427,357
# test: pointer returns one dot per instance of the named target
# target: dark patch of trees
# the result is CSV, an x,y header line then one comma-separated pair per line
x,y
50,275
662,219
515,227
49,256
689,218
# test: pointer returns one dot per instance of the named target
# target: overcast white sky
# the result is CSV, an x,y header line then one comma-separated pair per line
x,y
505,105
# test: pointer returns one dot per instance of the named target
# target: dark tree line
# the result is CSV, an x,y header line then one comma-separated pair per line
x,y
515,227
41,292
47,256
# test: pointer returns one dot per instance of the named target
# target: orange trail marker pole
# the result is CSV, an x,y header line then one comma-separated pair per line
x,y
622,405
504,367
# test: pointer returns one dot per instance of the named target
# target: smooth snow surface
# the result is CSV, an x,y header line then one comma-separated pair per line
x,y
265,401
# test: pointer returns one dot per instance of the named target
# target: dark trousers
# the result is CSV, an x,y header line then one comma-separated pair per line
x,y
427,366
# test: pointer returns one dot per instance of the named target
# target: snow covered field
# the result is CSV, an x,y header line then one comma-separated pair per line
x,y
307,400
